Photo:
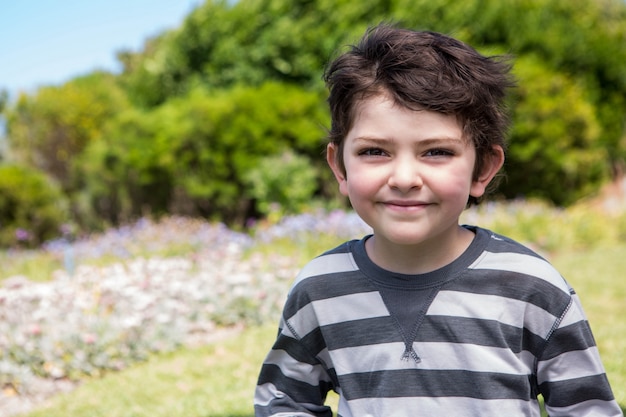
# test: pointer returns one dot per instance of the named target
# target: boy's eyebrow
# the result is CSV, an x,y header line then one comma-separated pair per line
x,y
372,140
434,141
442,141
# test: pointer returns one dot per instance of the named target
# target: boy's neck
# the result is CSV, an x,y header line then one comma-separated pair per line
x,y
418,259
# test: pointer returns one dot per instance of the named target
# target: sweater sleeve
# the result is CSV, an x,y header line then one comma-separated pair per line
x,y
292,381
570,374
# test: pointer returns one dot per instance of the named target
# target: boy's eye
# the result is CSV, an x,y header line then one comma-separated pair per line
x,y
439,152
372,152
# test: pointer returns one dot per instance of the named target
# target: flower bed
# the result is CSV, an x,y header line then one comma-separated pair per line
x,y
91,319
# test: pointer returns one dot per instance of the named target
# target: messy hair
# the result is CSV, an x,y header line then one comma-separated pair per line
x,y
422,70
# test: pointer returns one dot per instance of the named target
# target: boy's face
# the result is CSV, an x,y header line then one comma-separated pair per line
x,y
408,174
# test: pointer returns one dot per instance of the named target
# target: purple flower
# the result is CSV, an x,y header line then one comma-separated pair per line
x,y
22,235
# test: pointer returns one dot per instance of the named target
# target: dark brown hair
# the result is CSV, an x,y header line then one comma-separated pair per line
x,y
422,70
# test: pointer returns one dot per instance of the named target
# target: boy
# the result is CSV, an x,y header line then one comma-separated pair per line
x,y
426,317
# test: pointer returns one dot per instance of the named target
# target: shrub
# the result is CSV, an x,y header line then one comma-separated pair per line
x,y
32,207
288,180
191,155
555,151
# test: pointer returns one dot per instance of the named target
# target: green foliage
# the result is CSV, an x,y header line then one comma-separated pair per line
x,y
32,207
555,152
121,172
287,180
191,155
222,44
4,99
51,128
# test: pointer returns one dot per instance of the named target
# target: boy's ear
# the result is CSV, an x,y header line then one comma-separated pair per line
x,y
491,165
332,157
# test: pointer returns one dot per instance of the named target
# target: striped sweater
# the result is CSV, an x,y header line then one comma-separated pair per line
x,y
484,336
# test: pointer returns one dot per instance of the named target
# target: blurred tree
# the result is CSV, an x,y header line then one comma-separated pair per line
x,y
191,155
32,207
222,44
4,99
284,183
48,130
555,152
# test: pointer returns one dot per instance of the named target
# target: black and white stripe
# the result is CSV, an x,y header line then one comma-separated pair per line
x,y
505,328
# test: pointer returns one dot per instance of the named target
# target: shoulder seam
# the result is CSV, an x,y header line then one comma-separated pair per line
x,y
555,326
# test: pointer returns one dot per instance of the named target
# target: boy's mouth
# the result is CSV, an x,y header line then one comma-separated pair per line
x,y
405,203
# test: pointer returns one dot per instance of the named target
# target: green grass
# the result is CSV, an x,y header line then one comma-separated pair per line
x,y
215,380
597,275
36,265
218,380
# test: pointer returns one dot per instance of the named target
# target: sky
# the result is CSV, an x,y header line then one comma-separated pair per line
x,y
48,42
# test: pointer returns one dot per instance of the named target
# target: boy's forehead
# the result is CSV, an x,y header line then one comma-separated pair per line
x,y
370,106
385,98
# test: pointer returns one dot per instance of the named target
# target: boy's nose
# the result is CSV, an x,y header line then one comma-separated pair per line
x,y
405,175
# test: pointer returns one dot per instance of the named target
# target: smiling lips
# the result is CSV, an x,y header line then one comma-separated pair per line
x,y
405,204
